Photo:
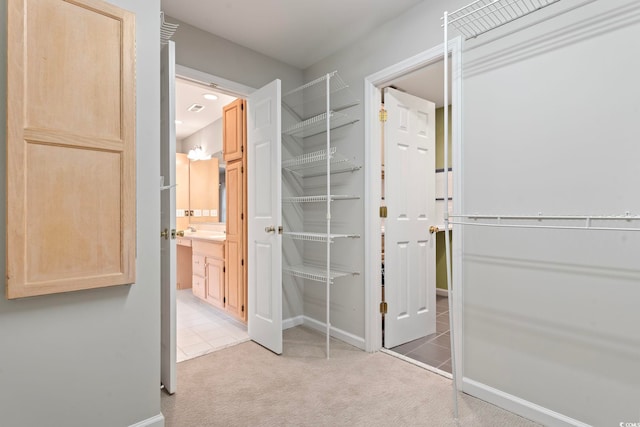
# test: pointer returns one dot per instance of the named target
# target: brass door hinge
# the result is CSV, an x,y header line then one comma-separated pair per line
x,y
224,269
242,262
242,168
382,115
224,300
383,211
242,216
383,307
242,308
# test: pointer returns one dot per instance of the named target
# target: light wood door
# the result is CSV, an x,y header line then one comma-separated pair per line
x,y
70,146
234,243
233,130
182,191
215,282
204,193
409,248
265,244
168,255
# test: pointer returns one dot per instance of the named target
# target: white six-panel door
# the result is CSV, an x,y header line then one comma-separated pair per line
x,y
409,249
168,220
264,208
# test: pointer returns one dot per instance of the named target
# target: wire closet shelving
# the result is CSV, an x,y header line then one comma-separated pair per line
x,y
477,18
319,108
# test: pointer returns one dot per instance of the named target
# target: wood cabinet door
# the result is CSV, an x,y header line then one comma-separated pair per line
x,y
215,282
233,130
234,243
70,146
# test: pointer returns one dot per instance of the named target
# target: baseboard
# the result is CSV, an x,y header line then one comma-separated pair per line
x,y
442,292
518,406
155,421
292,322
335,332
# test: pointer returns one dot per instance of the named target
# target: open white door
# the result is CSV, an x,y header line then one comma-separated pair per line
x,y
409,249
168,219
264,200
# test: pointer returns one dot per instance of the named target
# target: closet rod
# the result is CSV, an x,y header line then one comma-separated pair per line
x,y
625,217
549,227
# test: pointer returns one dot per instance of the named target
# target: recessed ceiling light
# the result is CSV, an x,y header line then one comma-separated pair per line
x,y
209,96
178,122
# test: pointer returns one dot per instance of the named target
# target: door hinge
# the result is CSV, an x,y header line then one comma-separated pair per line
x,y
383,307
242,148
242,308
224,269
241,169
242,106
383,211
382,115
242,216
224,300
242,262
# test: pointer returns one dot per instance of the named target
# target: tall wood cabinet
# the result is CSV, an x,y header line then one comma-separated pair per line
x,y
234,142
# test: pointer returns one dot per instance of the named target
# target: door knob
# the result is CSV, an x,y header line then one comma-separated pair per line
x,y
270,229
180,233
433,229
164,233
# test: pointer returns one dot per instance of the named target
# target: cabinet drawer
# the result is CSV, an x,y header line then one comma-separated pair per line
x,y
211,249
197,287
198,265
183,242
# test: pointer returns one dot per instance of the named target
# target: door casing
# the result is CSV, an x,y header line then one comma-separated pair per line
x,y
373,246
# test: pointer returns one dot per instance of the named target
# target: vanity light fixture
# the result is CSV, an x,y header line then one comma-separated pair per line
x,y
197,153
209,96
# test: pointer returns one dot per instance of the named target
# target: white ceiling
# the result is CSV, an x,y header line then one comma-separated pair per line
x,y
187,94
296,32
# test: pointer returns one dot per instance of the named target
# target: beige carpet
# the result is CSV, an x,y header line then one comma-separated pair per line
x,y
247,385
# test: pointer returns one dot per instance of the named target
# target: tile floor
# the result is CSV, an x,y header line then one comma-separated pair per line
x,y
202,329
435,349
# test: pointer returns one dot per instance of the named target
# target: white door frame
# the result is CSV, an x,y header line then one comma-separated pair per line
x,y
221,85
373,166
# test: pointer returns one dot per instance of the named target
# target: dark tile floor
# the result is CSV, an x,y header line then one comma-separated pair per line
x,y
435,349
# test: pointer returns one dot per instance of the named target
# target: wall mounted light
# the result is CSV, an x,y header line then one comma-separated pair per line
x,y
197,153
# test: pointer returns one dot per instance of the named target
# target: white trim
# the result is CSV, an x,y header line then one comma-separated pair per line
x,y
221,84
155,421
519,406
292,322
416,362
347,337
373,336
442,292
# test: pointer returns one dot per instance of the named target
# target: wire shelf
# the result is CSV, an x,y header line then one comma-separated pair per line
x,y
318,237
315,273
310,99
318,124
166,29
321,198
481,16
315,163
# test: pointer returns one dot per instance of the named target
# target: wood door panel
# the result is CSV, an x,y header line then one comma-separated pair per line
x,y
233,130
215,282
84,47
80,237
70,146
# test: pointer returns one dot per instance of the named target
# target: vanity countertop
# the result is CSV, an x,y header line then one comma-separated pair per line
x,y
210,236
